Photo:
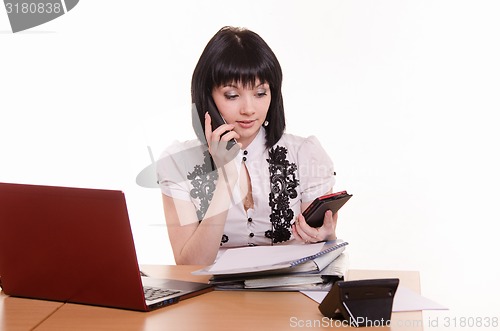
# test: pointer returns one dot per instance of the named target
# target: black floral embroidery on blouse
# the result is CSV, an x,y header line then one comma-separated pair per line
x,y
203,179
284,182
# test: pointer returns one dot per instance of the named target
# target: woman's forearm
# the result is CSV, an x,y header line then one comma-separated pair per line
x,y
202,246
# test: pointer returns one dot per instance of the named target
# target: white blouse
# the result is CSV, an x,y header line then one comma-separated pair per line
x,y
294,170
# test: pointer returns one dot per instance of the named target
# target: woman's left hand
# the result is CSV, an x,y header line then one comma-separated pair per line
x,y
303,232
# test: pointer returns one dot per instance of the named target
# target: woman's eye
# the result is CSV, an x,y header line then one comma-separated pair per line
x,y
261,94
230,96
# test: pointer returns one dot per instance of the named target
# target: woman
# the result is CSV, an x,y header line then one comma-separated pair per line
x,y
253,193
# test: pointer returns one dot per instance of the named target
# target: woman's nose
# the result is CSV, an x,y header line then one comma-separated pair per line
x,y
247,106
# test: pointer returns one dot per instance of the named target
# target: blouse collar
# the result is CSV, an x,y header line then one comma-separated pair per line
x,y
258,144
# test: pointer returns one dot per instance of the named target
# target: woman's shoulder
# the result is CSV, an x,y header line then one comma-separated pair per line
x,y
189,152
294,141
303,149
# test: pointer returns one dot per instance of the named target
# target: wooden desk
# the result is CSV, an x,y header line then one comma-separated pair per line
x,y
24,314
223,310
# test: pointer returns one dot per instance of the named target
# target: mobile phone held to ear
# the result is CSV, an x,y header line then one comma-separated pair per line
x,y
218,120
315,213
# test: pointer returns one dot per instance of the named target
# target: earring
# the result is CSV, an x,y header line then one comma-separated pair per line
x,y
266,123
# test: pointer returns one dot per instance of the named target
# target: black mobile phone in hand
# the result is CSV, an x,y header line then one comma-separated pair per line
x,y
315,213
218,120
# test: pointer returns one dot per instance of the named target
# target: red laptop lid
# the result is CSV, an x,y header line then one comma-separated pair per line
x,y
68,244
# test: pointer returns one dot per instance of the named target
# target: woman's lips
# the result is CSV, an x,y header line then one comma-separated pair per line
x,y
246,124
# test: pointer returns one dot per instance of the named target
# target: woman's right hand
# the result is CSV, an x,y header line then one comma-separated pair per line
x,y
217,141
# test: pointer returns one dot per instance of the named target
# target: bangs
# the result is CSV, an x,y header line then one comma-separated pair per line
x,y
242,66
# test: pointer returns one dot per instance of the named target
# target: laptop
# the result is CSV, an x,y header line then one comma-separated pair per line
x,y
75,245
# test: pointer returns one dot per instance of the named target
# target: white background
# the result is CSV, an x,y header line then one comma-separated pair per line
x,y
402,94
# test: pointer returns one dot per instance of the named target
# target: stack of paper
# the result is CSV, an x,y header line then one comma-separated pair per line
x,y
279,268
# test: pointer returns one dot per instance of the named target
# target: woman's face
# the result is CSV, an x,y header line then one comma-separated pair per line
x,y
243,106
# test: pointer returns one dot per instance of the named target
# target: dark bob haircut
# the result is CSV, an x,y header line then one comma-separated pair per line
x,y
242,56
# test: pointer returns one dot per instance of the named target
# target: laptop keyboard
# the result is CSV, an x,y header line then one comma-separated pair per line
x,y
153,293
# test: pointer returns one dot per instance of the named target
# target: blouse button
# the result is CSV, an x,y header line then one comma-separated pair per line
x,y
244,158
245,152
251,235
250,219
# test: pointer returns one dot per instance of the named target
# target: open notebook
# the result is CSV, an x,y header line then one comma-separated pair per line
x,y
279,268
258,259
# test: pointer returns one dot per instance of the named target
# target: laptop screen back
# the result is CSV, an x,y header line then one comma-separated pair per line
x,y
68,244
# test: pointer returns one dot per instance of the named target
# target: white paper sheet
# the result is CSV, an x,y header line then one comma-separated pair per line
x,y
251,257
408,300
404,300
